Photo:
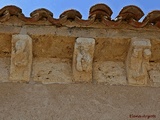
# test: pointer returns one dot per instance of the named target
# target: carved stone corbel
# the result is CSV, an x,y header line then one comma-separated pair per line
x,y
21,58
83,59
137,62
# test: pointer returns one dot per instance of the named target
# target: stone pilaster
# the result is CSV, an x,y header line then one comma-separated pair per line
x,y
83,59
21,58
137,62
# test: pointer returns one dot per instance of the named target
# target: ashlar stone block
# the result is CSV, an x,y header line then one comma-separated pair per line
x,y
154,74
83,59
137,62
109,72
52,70
21,58
4,69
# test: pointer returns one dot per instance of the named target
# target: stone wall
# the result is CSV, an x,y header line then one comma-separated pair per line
x,y
49,54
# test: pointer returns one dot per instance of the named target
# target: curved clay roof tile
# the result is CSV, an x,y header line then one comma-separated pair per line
x,y
13,10
42,12
71,14
8,11
101,7
153,17
129,12
100,10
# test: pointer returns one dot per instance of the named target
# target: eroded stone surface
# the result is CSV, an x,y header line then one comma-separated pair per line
x,y
154,74
137,62
82,59
110,49
52,70
111,44
5,45
77,102
4,69
109,72
49,46
21,58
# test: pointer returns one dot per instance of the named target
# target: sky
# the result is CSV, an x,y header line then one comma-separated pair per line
x,y
83,6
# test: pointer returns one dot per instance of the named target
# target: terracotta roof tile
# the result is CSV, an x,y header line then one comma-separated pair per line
x,y
100,12
41,12
131,12
71,14
8,11
152,17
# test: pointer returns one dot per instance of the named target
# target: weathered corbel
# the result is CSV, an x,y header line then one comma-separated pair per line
x,y
82,59
137,61
21,58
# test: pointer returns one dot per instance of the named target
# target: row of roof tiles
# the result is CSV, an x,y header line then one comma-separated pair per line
x,y
101,12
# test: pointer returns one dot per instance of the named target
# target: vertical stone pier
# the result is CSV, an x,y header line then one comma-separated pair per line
x,y
21,58
83,59
137,62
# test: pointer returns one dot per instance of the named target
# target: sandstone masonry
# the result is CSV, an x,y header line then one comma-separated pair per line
x,y
42,49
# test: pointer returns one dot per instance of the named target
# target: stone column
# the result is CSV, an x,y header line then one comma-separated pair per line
x,y
83,59
21,58
137,62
